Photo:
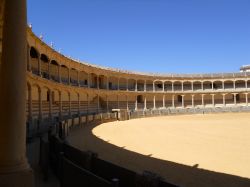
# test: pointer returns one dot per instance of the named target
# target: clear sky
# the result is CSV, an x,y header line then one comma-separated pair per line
x,y
165,36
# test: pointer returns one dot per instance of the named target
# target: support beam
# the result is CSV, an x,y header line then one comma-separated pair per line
x,y
173,103
224,100
183,101
154,103
14,168
145,102
192,101
213,103
136,102
246,94
163,101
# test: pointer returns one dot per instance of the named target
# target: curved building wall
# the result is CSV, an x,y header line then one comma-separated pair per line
x,y
59,86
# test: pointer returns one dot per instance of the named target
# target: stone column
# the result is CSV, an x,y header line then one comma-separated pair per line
x,y
153,86
202,85
192,101
235,101
173,104
154,103
163,101
14,168
183,101
145,86
182,86
136,103
224,100
246,84
223,85
213,103
127,102
145,102
163,86
234,85
202,100
246,99
172,86
212,85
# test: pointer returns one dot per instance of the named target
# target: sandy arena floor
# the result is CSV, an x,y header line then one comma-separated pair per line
x,y
214,142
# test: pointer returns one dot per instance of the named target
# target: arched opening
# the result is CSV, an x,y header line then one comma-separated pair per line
x,y
198,101
218,100
74,103
123,84
208,100
140,85
188,101
158,86
56,102
229,99
44,66
218,85
177,86
197,85
83,79
168,86
93,80
54,70
34,60
113,83
102,82
140,102
64,74
131,84
149,85
74,77
187,86
207,85
240,84
229,84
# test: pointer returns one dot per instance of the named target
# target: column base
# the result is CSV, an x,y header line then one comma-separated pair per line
x,y
22,178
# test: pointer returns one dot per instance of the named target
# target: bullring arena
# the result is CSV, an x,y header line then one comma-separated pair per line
x,y
77,93
98,126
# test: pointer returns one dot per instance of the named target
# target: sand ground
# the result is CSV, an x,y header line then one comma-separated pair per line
x,y
214,142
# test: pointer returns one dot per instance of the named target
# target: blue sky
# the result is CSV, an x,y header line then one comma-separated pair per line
x,y
164,36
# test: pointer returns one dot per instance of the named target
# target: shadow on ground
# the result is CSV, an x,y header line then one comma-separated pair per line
x,y
182,175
